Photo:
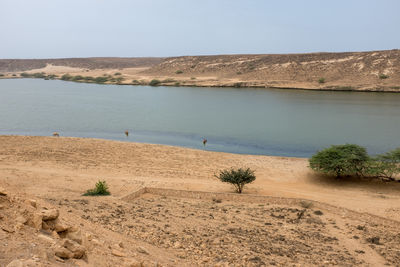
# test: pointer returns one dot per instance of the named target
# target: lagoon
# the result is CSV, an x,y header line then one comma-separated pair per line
x,y
281,122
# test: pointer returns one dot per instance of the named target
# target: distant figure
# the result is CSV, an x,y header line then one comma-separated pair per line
x,y
126,133
55,134
204,142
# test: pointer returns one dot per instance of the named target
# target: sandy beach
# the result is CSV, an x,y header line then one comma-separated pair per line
x,y
56,171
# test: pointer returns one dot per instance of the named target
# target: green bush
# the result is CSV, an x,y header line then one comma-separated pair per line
x,y
101,189
101,79
178,72
25,75
117,73
238,178
321,80
14,75
66,77
383,76
385,165
88,78
39,75
341,160
77,78
1,75
154,82
239,73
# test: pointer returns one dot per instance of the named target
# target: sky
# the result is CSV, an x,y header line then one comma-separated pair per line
x,y
162,28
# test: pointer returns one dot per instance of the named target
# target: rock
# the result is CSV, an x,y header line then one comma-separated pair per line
x,y
142,250
16,263
21,219
50,214
133,263
374,240
60,227
318,212
37,220
55,235
75,234
77,250
46,238
118,253
3,192
32,202
147,263
63,253
177,244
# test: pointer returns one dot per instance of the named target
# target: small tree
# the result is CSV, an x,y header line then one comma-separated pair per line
x,y
341,160
321,80
238,178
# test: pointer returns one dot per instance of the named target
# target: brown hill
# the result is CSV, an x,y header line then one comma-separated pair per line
x,y
368,71
15,65
353,70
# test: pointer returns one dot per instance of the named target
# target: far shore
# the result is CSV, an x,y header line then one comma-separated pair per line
x,y
220,84
373,71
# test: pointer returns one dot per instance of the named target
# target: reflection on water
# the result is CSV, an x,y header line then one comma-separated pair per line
x,y
252,121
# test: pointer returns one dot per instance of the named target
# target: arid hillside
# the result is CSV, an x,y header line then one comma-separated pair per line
x,y
365,71
340,71
15,65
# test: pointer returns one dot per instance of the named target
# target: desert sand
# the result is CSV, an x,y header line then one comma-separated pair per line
x,y
181,215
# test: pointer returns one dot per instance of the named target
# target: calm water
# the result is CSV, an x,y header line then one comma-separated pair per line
x,y
252,121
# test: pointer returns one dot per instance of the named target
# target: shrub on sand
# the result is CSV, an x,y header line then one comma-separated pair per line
x,y
101,189
238,178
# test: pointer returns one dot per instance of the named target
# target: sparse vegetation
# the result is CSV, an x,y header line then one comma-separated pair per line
x,y
383,76
39,75
25,75
168,80
353,160
321,80
237,85
117,73
237,177
14,75
239,73
100,79
177,84
178,72
1,75
77,78
154,82
193,78
66,77
340,160
101,189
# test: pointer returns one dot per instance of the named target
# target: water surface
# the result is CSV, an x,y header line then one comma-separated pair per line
x,y
253,121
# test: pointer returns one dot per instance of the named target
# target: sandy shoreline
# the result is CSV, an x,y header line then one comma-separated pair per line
x,y
166,226
77,163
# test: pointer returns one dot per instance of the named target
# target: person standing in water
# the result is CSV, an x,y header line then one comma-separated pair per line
x,y
204,142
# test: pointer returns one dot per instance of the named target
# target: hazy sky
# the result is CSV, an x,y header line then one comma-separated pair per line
x,y
130,28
